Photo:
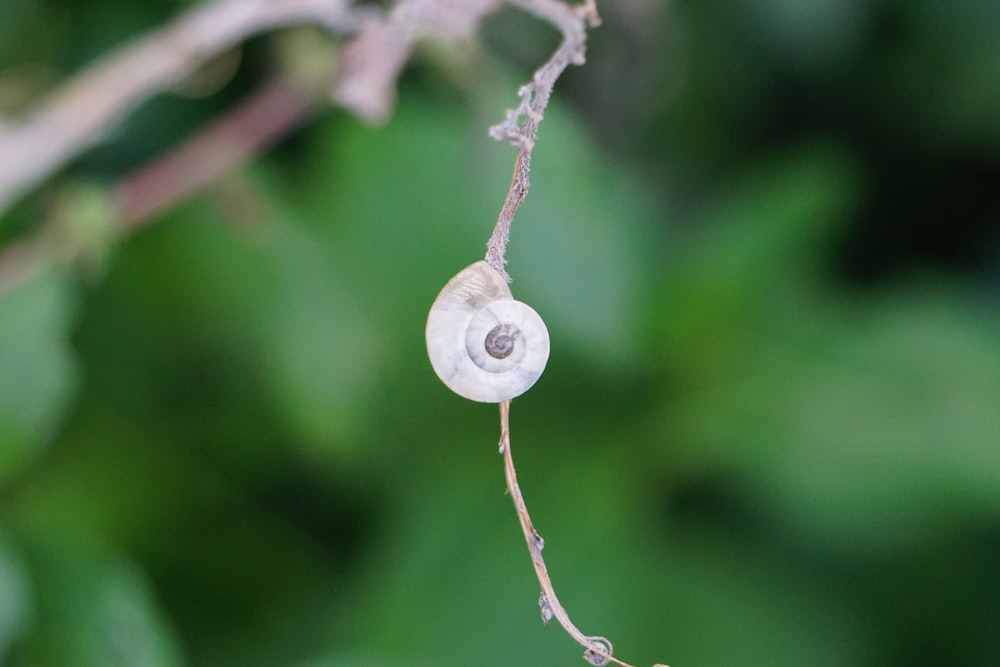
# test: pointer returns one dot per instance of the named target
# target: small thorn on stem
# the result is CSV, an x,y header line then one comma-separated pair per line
x,y
547,613
539,541
599,651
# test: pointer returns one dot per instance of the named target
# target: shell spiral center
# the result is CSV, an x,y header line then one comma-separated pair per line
x,y
500,340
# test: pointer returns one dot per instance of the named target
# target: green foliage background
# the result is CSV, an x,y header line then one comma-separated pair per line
x,y
764,239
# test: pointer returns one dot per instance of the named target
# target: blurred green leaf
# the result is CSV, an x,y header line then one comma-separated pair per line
x,y
868,426
581,246
755,256
942,72
398,204
809,36
15,596
37,370
94,609
321,354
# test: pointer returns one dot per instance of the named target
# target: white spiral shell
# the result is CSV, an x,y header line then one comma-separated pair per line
x,y
484,345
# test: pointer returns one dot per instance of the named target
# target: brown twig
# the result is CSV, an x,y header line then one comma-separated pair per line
x,y
520,127
269,113
598,650
82,110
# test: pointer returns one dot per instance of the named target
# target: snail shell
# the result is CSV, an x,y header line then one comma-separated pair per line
x,y
484,345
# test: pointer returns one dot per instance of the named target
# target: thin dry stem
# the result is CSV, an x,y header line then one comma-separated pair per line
x,y
597,650
520,128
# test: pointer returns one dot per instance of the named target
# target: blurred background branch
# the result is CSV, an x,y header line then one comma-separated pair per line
x,y
81,111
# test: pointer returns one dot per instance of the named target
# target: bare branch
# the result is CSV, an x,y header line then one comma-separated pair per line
x,y
371,63
520,127
82,110
269,113
597,650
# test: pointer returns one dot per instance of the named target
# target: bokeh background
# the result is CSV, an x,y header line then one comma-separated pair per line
x,y
765,238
